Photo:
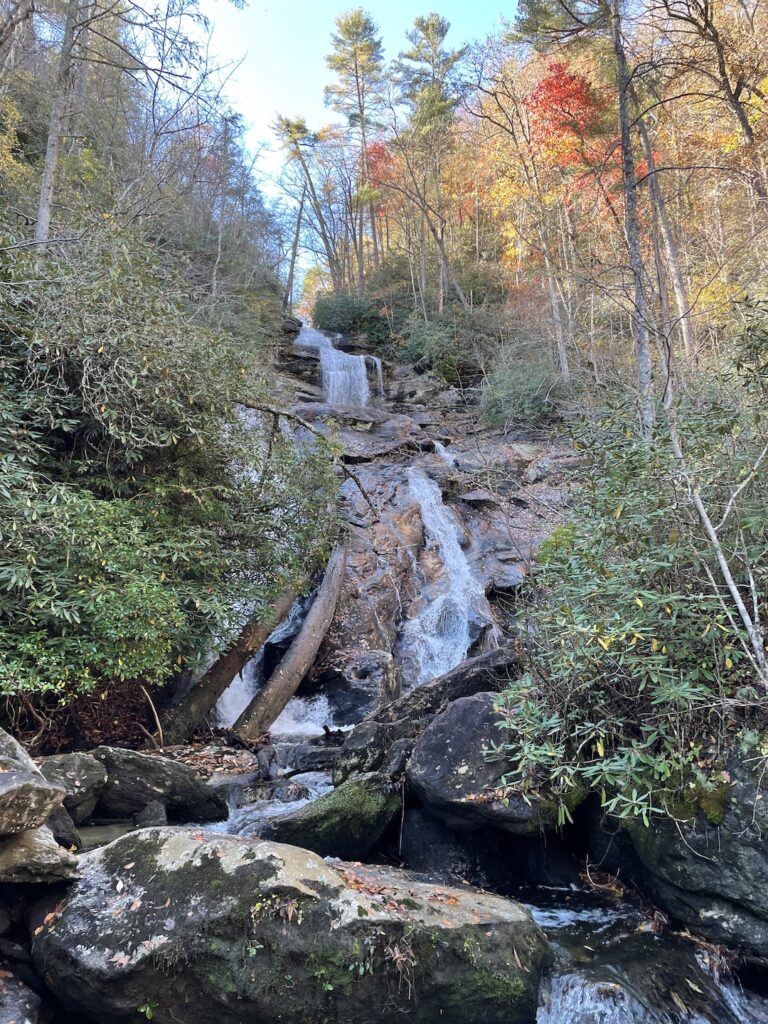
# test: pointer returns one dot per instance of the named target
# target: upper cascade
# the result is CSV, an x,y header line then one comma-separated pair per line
x,y
344,376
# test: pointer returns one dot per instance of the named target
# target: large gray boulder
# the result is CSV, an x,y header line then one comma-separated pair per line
x,y
367,746
452,774
707,865
82,777
346,823
203,927
26,799
135,780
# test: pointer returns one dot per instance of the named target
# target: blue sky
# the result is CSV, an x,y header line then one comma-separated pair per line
x,y
283,46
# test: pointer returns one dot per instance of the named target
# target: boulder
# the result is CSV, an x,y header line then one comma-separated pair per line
x,y
26,801
346,823
82,776
205,926
18,1003
13,757
135,780
366,747
35,856
450,772
63,828
291,325
707,865
153,814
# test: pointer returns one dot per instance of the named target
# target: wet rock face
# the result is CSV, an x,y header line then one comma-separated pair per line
x,y
135,780
711,870
456,781
205,927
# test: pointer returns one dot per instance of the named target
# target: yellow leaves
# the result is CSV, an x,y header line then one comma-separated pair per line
x,y
728,663
600,747
639,602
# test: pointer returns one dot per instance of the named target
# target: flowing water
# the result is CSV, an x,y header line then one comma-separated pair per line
x,y
344,376
608,968
440,635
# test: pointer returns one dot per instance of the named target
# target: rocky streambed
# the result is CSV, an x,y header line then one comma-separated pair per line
x,y
366,863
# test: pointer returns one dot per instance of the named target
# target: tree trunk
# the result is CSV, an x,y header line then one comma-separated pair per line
x,y
632,228
670,249
181,721
288,296
19,13
56,126
284,681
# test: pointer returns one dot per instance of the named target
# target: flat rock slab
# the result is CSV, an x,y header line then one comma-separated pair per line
x,y
206,927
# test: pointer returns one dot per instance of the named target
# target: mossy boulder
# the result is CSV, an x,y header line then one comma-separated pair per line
x,y
346,823
706,863
202,926
452,774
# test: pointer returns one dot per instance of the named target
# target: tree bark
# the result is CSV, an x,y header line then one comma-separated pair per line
x,y
284,681
288,296
632,228
670,249
181,721
56,126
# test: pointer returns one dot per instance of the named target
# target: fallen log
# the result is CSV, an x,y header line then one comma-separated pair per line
x,y
181,721
284,681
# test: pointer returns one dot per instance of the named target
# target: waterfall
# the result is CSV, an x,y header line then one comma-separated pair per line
x,y
440,635
344,376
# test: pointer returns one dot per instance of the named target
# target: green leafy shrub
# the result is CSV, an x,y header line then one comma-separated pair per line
x,y
639,665
350,314
141,515
458,344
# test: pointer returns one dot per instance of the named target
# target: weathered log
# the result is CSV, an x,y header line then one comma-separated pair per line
x,y
284,681
181,721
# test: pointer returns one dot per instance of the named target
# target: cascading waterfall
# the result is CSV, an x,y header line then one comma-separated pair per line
x,y
344,376
440,635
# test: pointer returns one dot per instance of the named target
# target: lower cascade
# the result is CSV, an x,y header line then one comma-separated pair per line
x,y
439,635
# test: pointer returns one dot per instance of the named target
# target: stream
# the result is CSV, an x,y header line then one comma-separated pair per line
x,y
610,967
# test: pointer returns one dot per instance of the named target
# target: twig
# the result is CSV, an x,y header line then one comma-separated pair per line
x,y
318,433
155,716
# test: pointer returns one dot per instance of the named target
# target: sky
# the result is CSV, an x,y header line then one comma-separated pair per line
x,y
281,47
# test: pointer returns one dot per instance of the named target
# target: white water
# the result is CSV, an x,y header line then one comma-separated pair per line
x,y
243,687
344,376
303,717
445,455
438,637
